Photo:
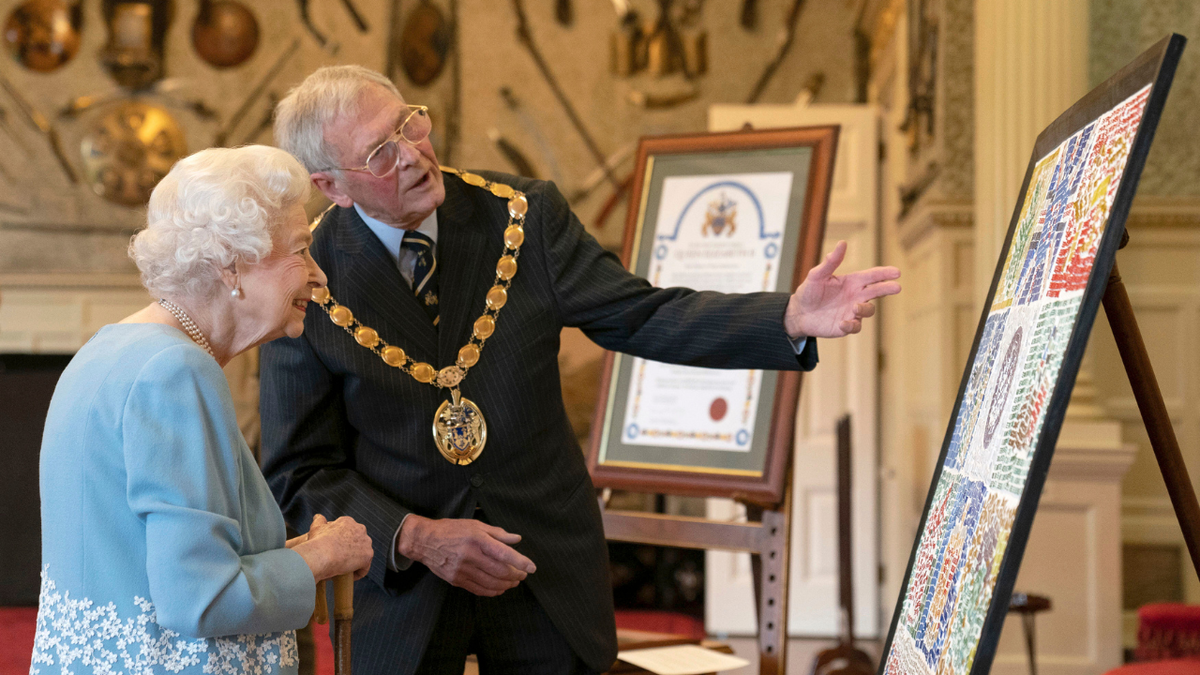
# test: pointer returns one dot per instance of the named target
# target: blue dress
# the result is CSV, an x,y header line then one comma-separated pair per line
x,y
162,547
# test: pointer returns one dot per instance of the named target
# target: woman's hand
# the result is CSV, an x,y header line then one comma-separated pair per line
x,y
335,548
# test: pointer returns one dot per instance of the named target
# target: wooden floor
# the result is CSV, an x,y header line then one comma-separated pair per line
x,y
801,654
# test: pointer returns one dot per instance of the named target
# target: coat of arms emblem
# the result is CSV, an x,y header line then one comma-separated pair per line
x,y
719,216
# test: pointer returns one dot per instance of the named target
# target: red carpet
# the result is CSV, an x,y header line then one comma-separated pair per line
x,y
658,621
17,626
1171,667
324,650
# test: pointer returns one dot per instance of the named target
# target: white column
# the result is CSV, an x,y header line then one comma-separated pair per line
x,y
1031,64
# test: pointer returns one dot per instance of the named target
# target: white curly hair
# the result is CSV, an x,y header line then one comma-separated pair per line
x,y
213,208
325,95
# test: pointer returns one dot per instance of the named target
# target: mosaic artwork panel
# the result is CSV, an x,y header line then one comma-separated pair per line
x,y
1089,211
1049,344
926,553
932,628
972,403
1011,381
981,569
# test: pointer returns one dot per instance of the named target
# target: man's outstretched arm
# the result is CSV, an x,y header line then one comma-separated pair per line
x,y
623,312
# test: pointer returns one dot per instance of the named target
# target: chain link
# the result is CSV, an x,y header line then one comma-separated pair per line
x,y
327,303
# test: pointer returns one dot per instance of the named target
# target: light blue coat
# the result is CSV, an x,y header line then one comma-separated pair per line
x,y
162,547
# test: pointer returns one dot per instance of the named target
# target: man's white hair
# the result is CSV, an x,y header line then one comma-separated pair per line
x,y
322,97
213,208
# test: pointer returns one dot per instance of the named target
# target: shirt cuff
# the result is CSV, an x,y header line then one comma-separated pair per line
x,y
797,344
397,562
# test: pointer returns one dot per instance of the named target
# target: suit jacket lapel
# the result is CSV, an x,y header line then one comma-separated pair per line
x,y
466,257
375,291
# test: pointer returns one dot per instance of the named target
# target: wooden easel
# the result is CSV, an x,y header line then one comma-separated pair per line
x,y
767,538
1154,412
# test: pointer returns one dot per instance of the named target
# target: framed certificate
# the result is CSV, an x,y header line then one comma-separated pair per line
x,y
738,212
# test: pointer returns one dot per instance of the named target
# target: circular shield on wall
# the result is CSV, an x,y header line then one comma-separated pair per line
x,y
129,149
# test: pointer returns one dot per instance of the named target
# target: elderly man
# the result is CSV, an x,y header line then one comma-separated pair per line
x,y
498,552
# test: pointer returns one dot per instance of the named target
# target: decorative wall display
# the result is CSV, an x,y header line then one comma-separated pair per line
x,y
137,32
43,35
225,33
129,150
1061,245
922,74
252,96
735,212
425,43
45,127
54,223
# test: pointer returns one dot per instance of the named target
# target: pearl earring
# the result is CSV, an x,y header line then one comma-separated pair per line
x,y
236,292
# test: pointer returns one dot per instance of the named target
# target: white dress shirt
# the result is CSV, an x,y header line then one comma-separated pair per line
x,y
391,237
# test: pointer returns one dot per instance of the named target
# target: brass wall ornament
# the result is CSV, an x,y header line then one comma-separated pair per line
x,y
136,34
425,43
674,42
225,33
129,149
43,35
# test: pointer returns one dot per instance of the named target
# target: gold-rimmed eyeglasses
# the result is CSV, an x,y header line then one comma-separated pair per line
x,y
412,130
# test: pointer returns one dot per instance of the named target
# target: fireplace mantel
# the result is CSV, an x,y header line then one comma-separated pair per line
x,y
55,313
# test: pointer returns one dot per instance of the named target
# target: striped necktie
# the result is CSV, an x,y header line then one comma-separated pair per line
x,y
425,276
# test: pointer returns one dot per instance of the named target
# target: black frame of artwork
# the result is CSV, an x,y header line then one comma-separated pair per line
x,y
1156,66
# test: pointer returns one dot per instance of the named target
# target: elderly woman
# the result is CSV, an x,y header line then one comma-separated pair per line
x,y
163,550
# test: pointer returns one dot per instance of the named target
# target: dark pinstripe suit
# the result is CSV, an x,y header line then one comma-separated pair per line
x,y
344,434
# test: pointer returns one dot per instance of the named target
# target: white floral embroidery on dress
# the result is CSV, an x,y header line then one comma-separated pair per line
x,y
71,631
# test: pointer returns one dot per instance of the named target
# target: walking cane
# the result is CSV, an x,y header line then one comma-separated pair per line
x,y
343,615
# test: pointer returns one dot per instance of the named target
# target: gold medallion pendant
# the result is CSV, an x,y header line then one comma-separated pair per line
x,y
459,430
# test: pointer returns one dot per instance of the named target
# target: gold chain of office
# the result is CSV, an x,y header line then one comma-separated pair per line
x,y
459,429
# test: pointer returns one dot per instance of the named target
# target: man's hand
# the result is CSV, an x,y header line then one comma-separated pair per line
x,y
829,306
467,553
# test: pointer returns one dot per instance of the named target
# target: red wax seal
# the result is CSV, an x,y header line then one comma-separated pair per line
x,y
718,409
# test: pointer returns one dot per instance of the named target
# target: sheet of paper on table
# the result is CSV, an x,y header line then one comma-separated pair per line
x,y
681,660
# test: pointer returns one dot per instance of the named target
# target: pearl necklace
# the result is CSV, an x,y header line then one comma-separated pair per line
x,y
188,325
